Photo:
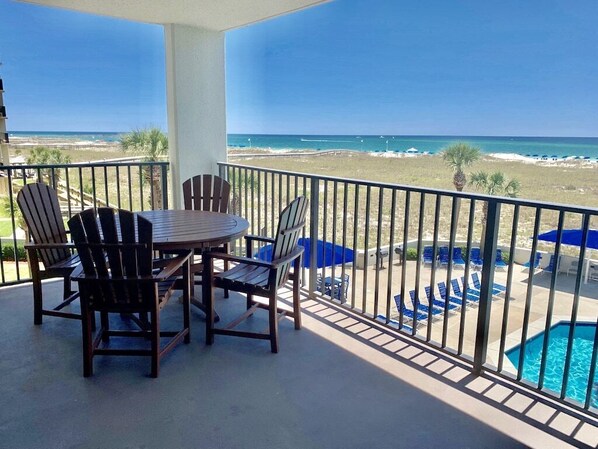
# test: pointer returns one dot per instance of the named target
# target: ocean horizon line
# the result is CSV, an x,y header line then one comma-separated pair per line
x,y
490,136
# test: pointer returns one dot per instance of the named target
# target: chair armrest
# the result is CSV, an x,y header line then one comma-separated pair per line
x,y
35,246
259,238
172,265
238,259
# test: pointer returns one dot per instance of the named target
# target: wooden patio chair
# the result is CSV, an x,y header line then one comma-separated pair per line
x,y
260,278
50,255
208,193
118,275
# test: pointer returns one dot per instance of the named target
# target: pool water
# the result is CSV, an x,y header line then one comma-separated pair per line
x,y
581,357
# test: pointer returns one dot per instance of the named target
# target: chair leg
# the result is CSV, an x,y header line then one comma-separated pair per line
x,y
273,321
296,303
155,329
208,298
187,281
249,303
226,266
67,290
105,325
86,320
37,301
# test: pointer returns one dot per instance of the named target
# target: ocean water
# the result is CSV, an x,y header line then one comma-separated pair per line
x,y
525,146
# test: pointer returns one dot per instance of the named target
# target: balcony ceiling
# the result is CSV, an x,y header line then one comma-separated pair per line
x,y
217,15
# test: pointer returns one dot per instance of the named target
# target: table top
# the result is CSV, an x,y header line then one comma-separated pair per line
x,y
191,229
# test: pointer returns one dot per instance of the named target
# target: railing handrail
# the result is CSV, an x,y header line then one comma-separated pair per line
x,y
83,165
425,190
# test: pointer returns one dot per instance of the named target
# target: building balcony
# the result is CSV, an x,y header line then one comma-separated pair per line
x,y
364,370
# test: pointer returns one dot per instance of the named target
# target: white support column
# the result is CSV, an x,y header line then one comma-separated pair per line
x,y
196,102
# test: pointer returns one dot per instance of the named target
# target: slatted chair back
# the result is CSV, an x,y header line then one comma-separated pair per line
x,y
41,211
290,226
115,248
206,192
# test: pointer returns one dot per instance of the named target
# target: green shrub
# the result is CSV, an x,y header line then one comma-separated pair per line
x,y
8,253
411,254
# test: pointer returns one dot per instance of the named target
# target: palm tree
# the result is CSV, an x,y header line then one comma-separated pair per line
x,y
458,156
48,156
493,184
152,143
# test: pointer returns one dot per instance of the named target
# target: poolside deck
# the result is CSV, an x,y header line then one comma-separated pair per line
x,y
563,301
340,382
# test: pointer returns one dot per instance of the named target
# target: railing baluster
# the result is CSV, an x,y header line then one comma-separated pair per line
x,y
575,308
420,238
549,311
391,251
484,309
333,267
364,294
355,228
379,259
470,226
592,374
314,206
344,287
433,268
505,315
404,265
528,296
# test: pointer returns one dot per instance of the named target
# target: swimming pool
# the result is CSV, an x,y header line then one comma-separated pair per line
x,y
581,357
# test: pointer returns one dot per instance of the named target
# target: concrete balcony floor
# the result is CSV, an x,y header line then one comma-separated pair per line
x,y
339,382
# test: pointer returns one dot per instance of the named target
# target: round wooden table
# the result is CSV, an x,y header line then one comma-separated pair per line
x,y
194,229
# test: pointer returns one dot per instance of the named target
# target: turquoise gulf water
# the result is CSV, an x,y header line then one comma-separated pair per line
x,y
539,146
581,358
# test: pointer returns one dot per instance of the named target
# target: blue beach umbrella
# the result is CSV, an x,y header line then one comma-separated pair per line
x,y
572,237
326,253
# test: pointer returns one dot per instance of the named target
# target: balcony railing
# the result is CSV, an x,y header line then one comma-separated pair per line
x,y
535,325
538,328
130,185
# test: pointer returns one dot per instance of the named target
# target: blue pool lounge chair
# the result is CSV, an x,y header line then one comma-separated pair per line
x,y
536,262
470,296
443,256
402,308
443,294
475,258
497,289
436,302
417,305
428,255
499,263
458,258
382,318
551,266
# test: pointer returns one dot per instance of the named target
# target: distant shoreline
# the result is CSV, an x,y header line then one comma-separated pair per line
x,y
524,149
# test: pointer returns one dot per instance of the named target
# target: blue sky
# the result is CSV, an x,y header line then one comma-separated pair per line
x,y
350,66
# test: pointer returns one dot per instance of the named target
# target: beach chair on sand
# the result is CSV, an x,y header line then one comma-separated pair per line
x,y
535,263
458,258
417,305
498,262
497,289
469,296
475,259
402,309
444,294
440,303
428,256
